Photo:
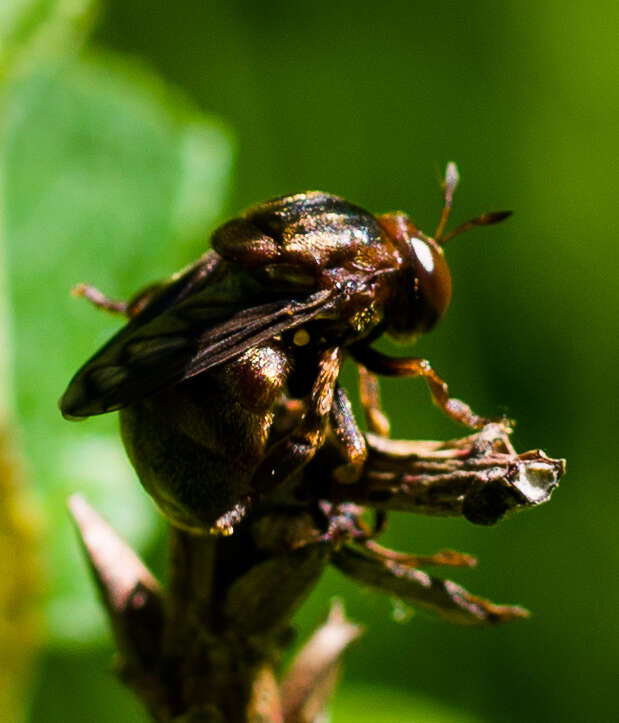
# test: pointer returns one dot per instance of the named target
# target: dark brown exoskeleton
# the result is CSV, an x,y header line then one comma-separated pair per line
x,y
291,287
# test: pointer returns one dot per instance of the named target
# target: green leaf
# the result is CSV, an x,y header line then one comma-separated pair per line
x,y
30,29
107,177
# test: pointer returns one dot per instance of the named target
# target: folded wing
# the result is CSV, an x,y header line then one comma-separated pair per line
x,y
200,332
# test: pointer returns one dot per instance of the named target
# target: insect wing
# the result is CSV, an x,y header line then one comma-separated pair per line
x,y
254,327
156,299
200,333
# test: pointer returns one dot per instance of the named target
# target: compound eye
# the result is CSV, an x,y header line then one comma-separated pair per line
x,y
432,283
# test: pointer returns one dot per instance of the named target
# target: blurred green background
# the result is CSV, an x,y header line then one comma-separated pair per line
x,y
130,128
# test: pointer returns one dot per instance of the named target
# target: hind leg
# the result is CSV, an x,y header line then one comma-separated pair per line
x,y
99,299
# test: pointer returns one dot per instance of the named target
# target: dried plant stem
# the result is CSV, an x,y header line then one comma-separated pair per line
x,y
207,646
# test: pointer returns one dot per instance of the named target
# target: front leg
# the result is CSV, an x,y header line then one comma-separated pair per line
x,y
417,367
288,456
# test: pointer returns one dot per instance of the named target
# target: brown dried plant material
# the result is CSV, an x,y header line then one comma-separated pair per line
x,y
206,647
443,597
313,675
479,477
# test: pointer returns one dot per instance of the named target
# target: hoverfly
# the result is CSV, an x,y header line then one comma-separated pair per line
x,y
288,290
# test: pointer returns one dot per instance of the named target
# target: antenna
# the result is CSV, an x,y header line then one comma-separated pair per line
x,y
449,186
486,219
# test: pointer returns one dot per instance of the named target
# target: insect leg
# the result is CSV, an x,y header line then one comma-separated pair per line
x,y
99,299
350,437
418,367
288,456
370,401
378,423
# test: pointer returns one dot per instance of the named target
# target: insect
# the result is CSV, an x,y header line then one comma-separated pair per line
x,y
289,289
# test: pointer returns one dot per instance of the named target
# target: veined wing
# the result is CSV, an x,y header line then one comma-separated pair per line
x,y
203,331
